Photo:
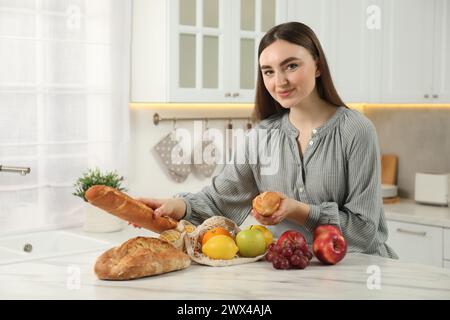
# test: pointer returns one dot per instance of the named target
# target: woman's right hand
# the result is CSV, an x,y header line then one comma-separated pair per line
x,y
172,207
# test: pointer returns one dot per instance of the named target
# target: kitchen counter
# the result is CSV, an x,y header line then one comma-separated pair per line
x,y
72,277
410,211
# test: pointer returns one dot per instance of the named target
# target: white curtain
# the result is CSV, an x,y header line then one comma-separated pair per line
x,y
64,92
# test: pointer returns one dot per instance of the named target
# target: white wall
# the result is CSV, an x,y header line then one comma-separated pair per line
x,y
147,178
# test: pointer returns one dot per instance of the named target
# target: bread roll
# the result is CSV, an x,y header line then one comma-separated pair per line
x,y
266,203
140,257
123,206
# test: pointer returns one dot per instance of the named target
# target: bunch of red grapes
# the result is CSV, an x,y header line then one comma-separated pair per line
x,y
291,252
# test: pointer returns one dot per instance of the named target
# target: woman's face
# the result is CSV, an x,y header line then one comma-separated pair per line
x,y
289,72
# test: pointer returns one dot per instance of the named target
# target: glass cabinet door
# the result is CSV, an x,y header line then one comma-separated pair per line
x,y
213,46
187,42
252,19
200,41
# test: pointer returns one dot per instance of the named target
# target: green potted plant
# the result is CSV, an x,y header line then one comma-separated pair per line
x,y
97,220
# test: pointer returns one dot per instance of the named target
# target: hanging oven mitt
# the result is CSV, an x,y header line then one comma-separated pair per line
x,y
171,155
208,152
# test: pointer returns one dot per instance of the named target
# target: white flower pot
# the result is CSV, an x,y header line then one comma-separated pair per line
x,y
98,220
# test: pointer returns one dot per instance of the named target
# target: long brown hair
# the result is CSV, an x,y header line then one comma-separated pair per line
x,y
300,34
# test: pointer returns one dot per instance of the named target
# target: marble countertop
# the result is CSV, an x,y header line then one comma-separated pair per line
x,y
358,276
410,211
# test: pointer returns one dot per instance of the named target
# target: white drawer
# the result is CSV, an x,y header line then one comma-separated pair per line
x,y
416,243
447,264
447,244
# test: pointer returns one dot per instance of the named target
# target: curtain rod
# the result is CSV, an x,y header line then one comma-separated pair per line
x,y
157,119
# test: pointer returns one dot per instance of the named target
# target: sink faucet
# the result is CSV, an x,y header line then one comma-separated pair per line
x,y
22,170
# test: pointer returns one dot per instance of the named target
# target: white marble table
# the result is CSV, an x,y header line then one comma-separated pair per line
x,y
71,277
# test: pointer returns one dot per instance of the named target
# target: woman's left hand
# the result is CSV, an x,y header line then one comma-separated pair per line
x,y
287,207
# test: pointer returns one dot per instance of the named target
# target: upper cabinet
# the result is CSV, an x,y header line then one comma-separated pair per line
x,y
199,50
383,51
379,51
415,51
346,41
441,57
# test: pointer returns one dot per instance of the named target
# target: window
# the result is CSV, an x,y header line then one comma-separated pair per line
x,y
64,83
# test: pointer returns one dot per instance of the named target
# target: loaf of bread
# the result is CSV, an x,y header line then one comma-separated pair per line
x,y
125,207
266,203
140,257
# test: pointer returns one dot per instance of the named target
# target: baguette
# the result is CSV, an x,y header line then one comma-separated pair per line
x,y
125,207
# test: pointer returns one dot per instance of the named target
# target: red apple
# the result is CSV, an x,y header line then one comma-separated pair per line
x,y
329,244
326,228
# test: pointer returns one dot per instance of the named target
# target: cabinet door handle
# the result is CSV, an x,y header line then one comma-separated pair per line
x,y
435,96
227,95
426,96
417,233
236,94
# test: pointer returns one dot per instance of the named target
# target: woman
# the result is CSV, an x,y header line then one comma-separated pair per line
x,y
329,159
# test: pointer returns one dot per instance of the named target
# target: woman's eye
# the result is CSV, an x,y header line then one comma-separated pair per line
x,y
268,72
292,66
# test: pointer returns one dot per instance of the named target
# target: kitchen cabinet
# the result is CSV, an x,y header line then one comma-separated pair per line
x,y
199,50
351,50
415,46
446,248
416,243
349,45
316,14
441,66
383,50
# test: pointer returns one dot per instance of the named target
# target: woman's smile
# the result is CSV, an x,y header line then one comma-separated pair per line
x,y
285,94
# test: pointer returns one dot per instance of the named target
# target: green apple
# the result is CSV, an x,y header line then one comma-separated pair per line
x,y
251,243
266,232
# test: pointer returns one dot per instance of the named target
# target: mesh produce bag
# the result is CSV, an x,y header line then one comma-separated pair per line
x,y
176,236
192,243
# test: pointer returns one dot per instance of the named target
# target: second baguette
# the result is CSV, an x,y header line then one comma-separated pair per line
x,y
125,207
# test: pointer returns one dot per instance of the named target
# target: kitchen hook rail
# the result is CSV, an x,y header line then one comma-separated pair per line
x,y
157,118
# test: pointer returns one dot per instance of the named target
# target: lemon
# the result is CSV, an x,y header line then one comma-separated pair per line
x,y
220,247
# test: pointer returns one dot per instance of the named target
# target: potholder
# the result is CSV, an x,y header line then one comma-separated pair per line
x,y
207,151
171,154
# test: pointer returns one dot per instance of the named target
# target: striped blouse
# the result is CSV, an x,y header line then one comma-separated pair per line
x,y
339,177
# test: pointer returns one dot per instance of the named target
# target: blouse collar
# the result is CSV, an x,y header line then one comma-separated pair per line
x,y
289,128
